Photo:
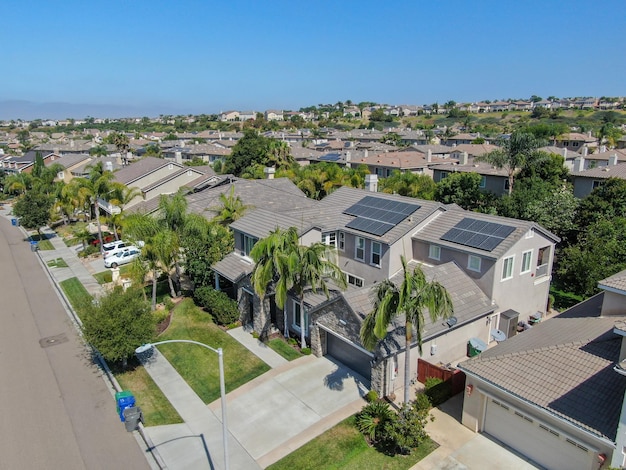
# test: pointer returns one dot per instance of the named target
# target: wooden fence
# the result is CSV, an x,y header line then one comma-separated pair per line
x,y
455,378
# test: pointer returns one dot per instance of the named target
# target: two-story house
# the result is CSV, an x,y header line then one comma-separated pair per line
x,y
488,264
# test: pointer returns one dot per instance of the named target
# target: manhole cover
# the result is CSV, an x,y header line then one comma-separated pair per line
x,y
52,340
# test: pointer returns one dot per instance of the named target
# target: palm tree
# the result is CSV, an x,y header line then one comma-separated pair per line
x,y
515,153
18,183
121,196
166,247
271,267
312,267
231,209
121,142
99,151
414,295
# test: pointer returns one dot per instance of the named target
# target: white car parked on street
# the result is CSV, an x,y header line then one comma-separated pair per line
x,y
125,256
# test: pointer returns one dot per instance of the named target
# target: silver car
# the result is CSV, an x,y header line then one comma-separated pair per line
x,y
125,256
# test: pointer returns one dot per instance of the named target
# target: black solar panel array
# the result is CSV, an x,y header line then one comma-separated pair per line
x,y
478,234
377,216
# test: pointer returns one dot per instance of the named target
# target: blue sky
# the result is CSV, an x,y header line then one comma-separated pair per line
x,y
140,57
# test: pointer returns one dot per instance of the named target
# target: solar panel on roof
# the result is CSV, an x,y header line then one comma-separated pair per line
x,y
382,214
478,234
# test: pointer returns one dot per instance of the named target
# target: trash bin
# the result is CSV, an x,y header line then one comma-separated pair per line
x,y
124,399
14,221
34,246
475,346
132,417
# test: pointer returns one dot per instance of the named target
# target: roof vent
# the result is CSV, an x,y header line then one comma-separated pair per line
x,y
451,322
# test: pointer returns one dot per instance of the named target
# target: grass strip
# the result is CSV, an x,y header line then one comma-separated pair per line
x,y
199,366
282,348
156,408
76,293
344,447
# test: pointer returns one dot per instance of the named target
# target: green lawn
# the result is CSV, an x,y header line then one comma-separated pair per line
x,y
156,408
343,447
57,263
199,366
76,293
45,245
282,348
105,276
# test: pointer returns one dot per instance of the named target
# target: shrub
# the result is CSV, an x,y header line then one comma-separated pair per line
x,y
371,420
371,396
437,390
167,302
407,432
89,250
306,351
221,307
422,402
292,341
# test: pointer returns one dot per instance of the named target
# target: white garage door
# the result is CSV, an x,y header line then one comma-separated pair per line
x,y
546,446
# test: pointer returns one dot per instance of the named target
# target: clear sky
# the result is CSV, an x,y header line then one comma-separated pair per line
x,y
113,58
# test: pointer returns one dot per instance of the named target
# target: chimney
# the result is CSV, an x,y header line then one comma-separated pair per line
x,y
72,143
371,183
579,163
178,156
348,158
463,159
365,153
269,172
585,151
613,159
564,154
602,148
108,166
429,156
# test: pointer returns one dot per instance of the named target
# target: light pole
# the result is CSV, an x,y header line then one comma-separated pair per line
x,y
220,353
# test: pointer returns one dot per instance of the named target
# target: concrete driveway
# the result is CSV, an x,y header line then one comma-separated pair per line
x,y
289,405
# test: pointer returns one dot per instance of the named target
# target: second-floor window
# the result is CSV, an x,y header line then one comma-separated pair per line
x,y
376,252
330,239
247,242
526,261
359,248
342,241
473,263
507,268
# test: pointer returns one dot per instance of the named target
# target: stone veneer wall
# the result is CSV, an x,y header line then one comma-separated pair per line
x,y
261,321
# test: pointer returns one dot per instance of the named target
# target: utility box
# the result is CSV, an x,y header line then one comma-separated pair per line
x,y
132,417
508,322
124,399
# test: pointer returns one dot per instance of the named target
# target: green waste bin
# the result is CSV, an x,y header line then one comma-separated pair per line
x,y
475,346
124,399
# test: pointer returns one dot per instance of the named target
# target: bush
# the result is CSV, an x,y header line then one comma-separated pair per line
x,y
306,351
371,420
89,250
437,390
167,302
221,307
371,396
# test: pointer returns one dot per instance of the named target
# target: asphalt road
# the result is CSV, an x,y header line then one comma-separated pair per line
x,y
56,411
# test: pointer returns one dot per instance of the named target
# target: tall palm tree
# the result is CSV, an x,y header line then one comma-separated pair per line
x,y
414,295
166,247
311,268
514,154
121,196
270,255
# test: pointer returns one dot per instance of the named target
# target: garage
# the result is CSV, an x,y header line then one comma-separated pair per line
x,y
348,354
547,446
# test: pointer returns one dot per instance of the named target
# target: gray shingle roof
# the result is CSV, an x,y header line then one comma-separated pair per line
x,y
563,365
233,267
139,168
616,281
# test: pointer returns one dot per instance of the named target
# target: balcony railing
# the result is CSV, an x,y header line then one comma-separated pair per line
x,y
542,270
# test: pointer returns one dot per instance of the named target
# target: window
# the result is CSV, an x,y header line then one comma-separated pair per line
x,y
342,241
483,181
247,242
330,239
526,261
595,184
443,175
359,249
575,144
434,252
507,268
506,184
474,263
353,280
376,252
296,317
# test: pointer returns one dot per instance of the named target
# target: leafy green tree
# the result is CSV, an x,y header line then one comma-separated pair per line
x,y
410,299
319,180
516,152
153,150
33,209
555,211
599,253
117,323
548,167
255,149
17,183
204,243
607,201
462,189
409,184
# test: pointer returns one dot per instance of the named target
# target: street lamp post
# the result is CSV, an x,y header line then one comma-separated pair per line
x,y
220,353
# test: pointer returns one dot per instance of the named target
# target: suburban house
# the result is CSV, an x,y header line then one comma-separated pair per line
x,y
24,164
229,116
585,180
555,393
576,141
494,180
385,163
157,176
273,115
208,153
489,264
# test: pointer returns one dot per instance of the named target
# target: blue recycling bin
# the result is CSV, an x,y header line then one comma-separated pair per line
x,y
124,400
14,222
